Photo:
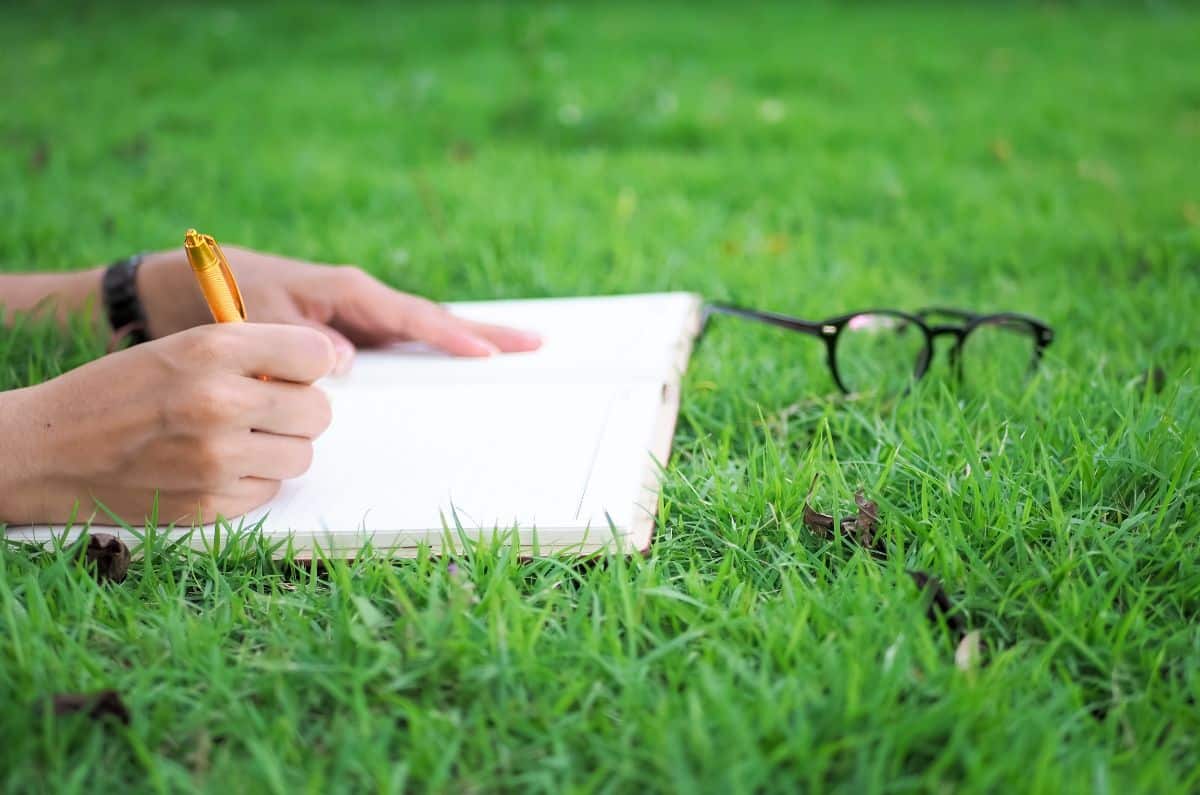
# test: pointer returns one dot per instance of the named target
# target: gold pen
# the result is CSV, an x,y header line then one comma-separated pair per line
x,y
216,279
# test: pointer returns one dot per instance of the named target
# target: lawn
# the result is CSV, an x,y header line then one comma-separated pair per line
x,y
1039,158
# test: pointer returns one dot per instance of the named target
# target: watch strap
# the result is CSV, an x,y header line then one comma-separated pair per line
x,y
122,304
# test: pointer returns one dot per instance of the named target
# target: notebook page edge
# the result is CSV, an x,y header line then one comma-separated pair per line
x,y
644,522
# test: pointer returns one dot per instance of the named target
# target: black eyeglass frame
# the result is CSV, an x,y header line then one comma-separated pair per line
x,y
830,330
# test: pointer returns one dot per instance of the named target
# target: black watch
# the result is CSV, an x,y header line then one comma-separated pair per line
x,y
122,306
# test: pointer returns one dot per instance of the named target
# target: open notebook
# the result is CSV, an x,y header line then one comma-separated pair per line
x,y
564,444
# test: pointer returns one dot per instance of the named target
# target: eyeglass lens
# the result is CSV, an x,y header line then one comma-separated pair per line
x,y
880,353
997,355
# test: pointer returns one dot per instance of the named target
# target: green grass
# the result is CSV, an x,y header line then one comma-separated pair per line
x,y
1036,158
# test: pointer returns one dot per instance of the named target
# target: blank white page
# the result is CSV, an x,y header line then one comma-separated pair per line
x,y
561,444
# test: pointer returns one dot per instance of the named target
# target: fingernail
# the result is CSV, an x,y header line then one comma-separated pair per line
x,y
491,349
531,338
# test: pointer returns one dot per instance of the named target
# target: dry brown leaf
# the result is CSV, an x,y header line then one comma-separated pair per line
x,y
861,529
110,555
867,521
966,656
821,524
95,705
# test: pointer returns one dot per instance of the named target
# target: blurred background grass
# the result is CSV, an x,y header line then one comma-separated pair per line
x,y
548,149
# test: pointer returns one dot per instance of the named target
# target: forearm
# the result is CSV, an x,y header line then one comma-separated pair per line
x,y
21,470
61,293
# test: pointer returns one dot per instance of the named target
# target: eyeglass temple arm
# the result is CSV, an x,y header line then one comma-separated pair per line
x,y
1045,333
771,318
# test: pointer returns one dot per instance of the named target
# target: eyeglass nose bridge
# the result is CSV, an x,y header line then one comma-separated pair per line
x,y
958,333
947,329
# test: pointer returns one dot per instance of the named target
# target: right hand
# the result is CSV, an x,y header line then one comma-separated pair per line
x,y
184,417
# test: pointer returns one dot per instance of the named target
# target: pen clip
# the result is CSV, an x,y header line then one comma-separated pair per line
x,y
227,272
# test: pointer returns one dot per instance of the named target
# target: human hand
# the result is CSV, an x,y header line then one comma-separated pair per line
x,y
348,305
184,417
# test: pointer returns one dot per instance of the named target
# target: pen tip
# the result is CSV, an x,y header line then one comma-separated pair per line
x,y
192,238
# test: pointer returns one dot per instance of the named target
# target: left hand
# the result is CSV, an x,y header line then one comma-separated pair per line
x,y
344,302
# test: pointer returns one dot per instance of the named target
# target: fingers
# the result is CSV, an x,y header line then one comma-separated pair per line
x,y
238,497
251,493
286,409
231,457
271,457
377,312
282,352
410,317
508,340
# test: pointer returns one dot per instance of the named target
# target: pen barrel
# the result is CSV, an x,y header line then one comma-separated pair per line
x,y
214,277
220,299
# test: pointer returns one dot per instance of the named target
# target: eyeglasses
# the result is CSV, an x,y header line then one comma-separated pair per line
x,y
884,351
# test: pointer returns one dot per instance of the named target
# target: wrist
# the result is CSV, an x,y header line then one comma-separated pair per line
x,y
170,300
84,289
